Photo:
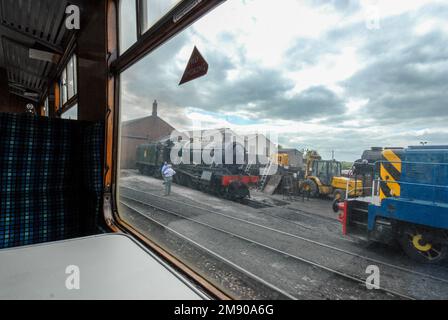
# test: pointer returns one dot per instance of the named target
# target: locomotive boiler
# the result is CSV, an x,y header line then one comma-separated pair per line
x,y
216,169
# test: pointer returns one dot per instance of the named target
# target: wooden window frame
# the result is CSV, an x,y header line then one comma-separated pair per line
x,y
140,14
45,108
64,107
173,22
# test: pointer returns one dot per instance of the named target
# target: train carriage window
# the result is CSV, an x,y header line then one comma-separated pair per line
x,y
64,91
75,74
70,79
128,24
45,109
204,115
153,10
68,84
71,114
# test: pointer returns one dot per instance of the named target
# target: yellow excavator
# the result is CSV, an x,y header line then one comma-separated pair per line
x,y
281,159
324,178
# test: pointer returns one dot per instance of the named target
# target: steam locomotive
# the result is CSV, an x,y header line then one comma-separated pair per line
x,y
226,179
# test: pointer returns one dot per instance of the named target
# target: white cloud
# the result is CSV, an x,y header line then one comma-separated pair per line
x,y
354,105
253,38
331,69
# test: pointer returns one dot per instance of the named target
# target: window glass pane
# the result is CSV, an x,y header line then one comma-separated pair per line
x,y
71,113
64,86
334,169
153,10
325,80
128,24
75,74
46,107
70,79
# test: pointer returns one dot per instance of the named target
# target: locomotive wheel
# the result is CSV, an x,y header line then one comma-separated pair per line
x,y
221,192
140,169
310,187
237,190
182,180
188,182
423,246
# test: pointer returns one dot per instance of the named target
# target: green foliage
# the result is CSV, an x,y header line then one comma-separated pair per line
x,y
346,165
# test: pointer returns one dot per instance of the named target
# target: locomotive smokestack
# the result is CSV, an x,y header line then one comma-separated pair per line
x,y
154,108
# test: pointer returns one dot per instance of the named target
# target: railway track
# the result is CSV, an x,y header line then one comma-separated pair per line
x,y
284,205
297,237
219,213
355,278
312,215
261,205
281,293
333,272
254,204
303,213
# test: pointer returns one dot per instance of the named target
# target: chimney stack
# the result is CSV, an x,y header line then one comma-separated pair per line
x,y
154,108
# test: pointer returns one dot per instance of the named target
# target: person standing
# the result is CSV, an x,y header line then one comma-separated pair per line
x,y
168,174
164,166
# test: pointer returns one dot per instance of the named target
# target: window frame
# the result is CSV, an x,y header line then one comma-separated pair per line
x,y
184,13
69,109
160,32
141,17
69,103
46,107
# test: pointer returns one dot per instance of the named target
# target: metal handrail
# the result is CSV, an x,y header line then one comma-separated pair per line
x,y
379,180
347,190
415,183
413,162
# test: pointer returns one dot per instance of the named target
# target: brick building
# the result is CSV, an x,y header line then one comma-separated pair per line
x,y
139,131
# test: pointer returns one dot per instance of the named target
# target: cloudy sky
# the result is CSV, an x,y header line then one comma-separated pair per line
x,y
340,75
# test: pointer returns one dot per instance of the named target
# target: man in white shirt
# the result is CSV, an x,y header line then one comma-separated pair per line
x,y
168,173
165,165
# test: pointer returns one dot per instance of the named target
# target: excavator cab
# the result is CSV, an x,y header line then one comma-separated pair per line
x,y
324,178
325,170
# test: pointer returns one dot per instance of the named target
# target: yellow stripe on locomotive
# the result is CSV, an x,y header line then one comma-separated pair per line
x,y
390,173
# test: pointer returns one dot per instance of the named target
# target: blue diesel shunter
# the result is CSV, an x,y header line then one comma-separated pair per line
x,y
411,205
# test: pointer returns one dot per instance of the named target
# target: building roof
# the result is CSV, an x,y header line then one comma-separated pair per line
x,y
257,136
152,127
148,118
289,150
220,130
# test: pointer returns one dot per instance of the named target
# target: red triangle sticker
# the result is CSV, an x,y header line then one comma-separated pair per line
x,y
196,67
